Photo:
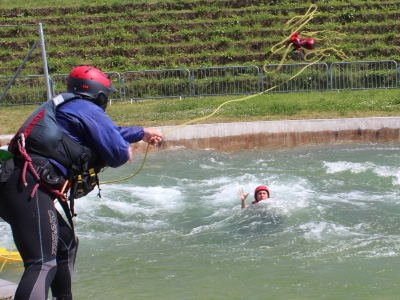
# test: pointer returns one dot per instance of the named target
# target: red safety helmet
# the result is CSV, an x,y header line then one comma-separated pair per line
x,y
260,188
89,82
308,43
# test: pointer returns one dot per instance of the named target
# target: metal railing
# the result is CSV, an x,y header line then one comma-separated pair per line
x,y
225,81
156,84
296,77
364,75
24,90
228,80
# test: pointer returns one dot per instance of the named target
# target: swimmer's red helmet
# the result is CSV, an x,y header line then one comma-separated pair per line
x,y
260,188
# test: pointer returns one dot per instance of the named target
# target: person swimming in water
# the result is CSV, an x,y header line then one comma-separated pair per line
x,y
261,193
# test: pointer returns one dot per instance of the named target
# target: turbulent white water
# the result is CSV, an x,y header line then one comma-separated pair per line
x,y
177,230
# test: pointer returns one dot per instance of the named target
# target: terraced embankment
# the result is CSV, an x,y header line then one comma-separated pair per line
x,y
139,36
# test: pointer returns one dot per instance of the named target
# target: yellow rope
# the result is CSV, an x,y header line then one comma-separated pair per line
x,y
293,25
203,118
298,22
5,261
134,174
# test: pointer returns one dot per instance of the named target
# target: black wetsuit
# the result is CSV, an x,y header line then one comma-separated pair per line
x,y
45,240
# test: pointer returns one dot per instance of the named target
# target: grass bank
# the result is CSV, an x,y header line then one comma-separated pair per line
x,y
122,35
271,106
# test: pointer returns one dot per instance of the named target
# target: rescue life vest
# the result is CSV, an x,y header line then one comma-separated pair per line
x,y
44,137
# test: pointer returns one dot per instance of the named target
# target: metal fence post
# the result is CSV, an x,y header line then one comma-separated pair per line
x,y
191,83
260,80
397,75
44,59
18,70
329,77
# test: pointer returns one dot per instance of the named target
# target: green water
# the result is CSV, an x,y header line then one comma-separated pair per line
x,y
177,230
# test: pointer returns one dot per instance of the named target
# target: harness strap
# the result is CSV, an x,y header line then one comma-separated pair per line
x,y
68,213
93,177
28,163
79,184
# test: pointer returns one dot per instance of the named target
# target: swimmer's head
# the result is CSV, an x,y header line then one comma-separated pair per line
x,y
261,193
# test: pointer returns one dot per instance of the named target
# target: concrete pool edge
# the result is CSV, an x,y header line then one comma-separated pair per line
x,y
7,289
277,134
272,134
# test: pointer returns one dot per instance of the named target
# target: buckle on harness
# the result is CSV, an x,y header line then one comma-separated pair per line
x,y
54,182
48,177
84,183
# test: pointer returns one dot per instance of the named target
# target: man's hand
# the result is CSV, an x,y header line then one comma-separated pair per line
x,y
152,136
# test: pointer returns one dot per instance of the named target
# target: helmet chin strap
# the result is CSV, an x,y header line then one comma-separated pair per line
x,y
101,100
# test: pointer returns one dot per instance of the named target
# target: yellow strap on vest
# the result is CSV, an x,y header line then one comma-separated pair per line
x,y
79,184
93,177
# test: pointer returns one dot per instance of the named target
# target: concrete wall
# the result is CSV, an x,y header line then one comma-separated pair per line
x,y
273,134
278,134
7,289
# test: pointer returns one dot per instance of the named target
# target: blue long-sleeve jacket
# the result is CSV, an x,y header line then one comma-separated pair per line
x,y
86,122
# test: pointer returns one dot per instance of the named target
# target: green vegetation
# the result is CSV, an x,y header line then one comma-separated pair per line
x,y
271,106
122,35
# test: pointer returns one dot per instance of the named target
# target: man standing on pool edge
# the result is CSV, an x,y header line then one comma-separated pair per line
x,y
60,147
